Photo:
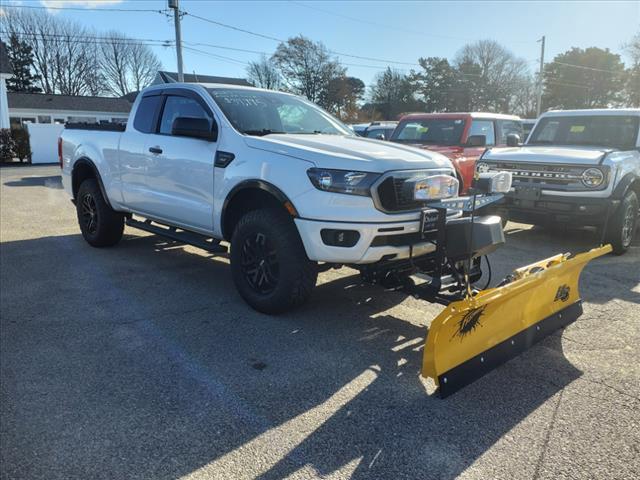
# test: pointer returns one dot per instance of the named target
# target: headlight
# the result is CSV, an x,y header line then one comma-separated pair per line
x,y
342,181
435,187
482,167
592,177
493,182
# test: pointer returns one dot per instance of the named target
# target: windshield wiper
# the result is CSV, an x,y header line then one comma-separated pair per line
x,y
261,133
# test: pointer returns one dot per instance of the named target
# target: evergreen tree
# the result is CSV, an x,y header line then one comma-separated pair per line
x,y
21,61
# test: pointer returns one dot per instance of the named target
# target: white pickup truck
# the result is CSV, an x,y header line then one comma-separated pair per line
x,y
294,192
579,167
285,183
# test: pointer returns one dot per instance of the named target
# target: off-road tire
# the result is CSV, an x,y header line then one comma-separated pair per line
x,y
623,223
283,253
100,225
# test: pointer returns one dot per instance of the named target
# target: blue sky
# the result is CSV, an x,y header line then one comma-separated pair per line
x,y
398,31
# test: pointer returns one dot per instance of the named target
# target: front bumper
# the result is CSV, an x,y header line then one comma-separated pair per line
x,y
544,208
377,241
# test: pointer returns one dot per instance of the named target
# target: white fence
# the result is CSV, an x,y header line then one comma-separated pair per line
x,y
43,138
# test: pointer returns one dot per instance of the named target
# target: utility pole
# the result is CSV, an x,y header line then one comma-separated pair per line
x,y
173,4
540,77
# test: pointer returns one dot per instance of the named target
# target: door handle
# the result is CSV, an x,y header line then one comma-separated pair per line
x,y
156,150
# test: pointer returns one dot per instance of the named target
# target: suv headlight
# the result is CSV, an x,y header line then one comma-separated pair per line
x,y
342,181
592,177
435,187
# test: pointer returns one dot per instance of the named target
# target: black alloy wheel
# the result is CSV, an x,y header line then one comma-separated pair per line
x,y
260,263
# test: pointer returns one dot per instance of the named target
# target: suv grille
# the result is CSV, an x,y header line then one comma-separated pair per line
x,y
565,177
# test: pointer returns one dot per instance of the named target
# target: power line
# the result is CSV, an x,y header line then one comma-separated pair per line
x,y
218,57
375,24
83,9
280,40
238,29
582,67
97,40
392,27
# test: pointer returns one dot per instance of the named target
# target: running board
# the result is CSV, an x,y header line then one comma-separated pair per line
x,y
184,236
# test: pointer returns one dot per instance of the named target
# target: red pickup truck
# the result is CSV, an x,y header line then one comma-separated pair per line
x,y
462,137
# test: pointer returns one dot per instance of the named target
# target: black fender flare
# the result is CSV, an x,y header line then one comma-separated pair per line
x,y
89,163
623,186
255,184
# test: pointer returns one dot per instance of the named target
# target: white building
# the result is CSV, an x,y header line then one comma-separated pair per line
x,y
5,72
47,108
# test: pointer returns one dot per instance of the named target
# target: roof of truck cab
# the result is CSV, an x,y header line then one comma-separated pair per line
x,y
594,111
210,86
480,115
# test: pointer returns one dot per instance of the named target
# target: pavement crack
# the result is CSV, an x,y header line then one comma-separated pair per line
x,y
547,439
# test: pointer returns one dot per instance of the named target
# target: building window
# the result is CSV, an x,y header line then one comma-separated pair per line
x,y
59,121
44,119
28,120
82,120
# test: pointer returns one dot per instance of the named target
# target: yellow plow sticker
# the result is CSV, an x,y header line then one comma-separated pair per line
x,y
473,336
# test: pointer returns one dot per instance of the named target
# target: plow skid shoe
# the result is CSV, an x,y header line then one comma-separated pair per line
x,y
473,336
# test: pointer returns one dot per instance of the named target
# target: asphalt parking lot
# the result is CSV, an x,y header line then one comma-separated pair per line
x,y
141,361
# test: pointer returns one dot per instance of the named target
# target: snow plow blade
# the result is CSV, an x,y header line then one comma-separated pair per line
x,y
473,336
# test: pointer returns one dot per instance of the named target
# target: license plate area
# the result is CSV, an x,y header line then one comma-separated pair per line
x,y
527,193
429,221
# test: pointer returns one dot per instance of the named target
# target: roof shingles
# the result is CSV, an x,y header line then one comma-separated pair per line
x,y
42,101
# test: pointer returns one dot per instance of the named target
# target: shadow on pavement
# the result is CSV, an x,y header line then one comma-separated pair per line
x,y
52,181
142,361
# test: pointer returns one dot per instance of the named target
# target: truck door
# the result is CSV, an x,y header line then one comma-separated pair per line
x,y
133,155
180,169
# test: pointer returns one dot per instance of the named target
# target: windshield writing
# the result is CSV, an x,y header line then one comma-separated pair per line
x,y
256,112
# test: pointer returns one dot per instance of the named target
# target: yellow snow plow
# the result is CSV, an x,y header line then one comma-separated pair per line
x,y
474,335
480,328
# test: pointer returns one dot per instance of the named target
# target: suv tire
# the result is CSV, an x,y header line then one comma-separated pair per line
x,y
623,223
100,225
269,265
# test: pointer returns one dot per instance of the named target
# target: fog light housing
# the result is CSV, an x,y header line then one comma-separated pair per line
x,y
339,238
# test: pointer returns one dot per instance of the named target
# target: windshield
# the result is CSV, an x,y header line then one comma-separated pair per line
x,y
610,131
436,131
255,112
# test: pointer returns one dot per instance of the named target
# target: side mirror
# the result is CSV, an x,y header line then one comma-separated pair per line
x,y
513,140
477,141
193,127
380,136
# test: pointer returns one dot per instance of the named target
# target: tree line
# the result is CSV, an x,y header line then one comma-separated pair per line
x,y
54,55
483,76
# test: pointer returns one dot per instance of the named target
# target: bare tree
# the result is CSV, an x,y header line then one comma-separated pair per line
x,y
72,60
38,31
127,65
495,72
263,74
143,66
306,67
115,54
